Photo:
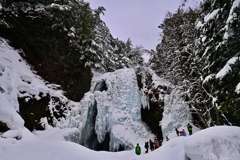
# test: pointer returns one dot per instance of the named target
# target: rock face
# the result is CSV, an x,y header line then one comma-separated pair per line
x,y
152,113
32,111
3,127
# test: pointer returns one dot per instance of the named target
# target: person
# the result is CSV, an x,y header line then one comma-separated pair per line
x,y
156,143
138,149
146,146
183,132
177,132
160,143
180,133
151,145
189,127
167,139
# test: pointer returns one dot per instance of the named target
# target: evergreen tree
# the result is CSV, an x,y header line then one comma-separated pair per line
x,y
203,60
136,55
64,35
219,50
176,50
109,53
180,63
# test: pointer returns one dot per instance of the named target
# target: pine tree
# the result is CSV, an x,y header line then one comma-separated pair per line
x,y
180,63
219,50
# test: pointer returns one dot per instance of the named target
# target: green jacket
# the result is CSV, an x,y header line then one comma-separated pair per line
x,y
189,127
138,150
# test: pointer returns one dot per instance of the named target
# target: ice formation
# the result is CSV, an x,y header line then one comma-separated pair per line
x,y
111,112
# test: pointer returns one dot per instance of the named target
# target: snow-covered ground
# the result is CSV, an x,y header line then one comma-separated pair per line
x,y
216,143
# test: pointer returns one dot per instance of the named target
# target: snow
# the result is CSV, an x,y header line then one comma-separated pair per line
x,y
227,68
61,7
199,24
211,15
209,77
238,88
146,57
17,79
215,143
232,16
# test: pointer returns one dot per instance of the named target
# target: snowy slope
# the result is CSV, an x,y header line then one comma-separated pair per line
x,y
216,143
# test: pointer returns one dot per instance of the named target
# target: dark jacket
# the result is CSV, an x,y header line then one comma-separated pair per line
x,y
146,145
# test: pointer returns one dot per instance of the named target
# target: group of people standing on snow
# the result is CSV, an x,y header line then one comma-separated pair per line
x,y
152,145
182,132
149,145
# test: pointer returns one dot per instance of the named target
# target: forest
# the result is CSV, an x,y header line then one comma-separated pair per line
x,y
199,50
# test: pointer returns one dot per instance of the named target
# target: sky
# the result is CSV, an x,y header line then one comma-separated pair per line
x,y
137,19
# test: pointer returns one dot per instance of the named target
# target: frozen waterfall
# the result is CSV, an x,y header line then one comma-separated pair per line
x,y
111,113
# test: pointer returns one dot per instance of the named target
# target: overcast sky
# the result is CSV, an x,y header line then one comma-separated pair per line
x,y
137,19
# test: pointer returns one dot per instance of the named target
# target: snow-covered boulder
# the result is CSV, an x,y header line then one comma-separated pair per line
x,y
215,143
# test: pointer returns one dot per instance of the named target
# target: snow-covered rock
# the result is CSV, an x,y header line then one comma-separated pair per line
x,y
215,143
19,80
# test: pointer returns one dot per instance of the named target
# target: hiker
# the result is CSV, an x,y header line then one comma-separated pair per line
x,y
167,139
180,133
138,149
183,132
146,146
156,143
177,132
151,145
160,143
189,127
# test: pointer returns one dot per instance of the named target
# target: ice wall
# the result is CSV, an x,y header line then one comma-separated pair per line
x,y
110,115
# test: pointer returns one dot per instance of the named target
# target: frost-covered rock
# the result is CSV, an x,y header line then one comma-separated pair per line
x,y
12,134
9,62
20,84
